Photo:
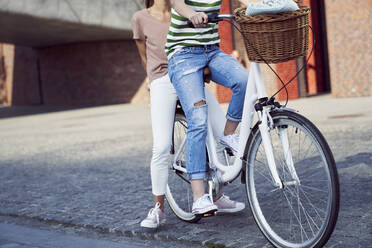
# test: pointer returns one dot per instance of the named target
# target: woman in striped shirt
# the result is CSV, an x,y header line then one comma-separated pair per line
x,y
189,50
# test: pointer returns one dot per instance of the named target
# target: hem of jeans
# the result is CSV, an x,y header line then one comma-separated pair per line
x,y
197,175
157,193
231,118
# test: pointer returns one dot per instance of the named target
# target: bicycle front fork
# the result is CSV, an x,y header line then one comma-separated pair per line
x,y
267,124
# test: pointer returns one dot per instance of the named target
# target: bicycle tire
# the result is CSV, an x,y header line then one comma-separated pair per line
x,y
311,221
178,182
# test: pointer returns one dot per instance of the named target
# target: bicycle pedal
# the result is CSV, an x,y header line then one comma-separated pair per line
x,y
207,214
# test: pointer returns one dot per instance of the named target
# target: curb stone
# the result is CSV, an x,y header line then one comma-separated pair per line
x,y
141,234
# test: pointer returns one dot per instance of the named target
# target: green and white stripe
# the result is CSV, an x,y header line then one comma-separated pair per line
x,y
181,35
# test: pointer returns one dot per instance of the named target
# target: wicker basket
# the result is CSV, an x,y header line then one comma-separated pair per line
x,y
275,38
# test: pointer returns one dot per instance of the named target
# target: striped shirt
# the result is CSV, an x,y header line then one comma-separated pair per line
x,y
181,35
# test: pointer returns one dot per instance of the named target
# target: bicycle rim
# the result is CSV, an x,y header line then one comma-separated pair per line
x,y
178,192
299,215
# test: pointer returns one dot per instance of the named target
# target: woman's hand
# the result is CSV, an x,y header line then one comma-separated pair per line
x,y
199,19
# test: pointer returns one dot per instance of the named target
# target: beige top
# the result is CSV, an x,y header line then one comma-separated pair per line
x,y
154,32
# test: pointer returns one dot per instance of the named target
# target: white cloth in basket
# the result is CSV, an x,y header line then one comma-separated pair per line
x,y
271,7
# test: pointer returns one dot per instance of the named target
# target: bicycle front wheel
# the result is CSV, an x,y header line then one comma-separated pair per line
x,y
304,212
178,192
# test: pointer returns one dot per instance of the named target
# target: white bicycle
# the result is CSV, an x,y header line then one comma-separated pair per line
x,y
284,161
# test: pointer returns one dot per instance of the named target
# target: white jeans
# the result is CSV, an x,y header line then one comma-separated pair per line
x,y
163,104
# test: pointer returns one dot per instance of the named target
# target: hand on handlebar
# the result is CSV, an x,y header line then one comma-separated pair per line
x,y
210,18
199,20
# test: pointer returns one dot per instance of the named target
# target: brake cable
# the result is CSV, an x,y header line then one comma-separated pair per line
x,y
276,74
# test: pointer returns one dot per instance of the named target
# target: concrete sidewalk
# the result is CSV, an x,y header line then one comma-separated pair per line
x,y
334,113
89,168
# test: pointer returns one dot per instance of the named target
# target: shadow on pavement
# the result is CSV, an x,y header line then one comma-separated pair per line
x,y
17,111
350,161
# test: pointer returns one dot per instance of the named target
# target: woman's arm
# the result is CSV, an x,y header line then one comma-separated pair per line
x,y
199,19
141,45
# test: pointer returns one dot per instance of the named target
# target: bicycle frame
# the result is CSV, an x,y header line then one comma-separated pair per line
x,y
255,90
226,173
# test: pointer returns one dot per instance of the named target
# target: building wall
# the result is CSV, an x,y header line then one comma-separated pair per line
x,y
25,84
6,80
94,73
83,74
349,46
348,28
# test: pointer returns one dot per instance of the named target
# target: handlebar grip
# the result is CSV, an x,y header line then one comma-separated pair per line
x,y
212,18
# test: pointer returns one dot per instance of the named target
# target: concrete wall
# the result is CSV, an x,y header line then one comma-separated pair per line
x,y
90,73
25,84
349,46
69,52
40,23
83,74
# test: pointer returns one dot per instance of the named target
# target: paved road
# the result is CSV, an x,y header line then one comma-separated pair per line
x,y
15,236
89,169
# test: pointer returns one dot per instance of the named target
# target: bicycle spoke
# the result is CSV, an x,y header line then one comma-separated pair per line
x,y
307,215
297,218
313,188
275,209
307,196
268,179
314,207
307,151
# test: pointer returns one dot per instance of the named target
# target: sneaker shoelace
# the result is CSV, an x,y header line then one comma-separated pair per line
x,y
201,199
226,199
154,213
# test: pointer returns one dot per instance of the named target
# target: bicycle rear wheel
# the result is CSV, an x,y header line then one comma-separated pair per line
x,y
300,214
178,193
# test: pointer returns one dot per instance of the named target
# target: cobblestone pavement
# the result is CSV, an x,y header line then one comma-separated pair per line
x,y
16,236
89,168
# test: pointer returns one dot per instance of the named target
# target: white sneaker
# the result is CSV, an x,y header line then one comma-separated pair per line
x,y
203,205
231,141
154,218
225,205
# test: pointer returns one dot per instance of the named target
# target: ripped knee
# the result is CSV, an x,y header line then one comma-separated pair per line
x,y
200,103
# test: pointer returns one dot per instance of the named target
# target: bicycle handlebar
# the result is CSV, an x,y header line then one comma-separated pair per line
x,y
213,18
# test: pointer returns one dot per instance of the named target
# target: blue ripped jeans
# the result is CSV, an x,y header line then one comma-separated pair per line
x,y
185,69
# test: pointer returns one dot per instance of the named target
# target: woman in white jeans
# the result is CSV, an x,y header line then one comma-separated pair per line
x,y
150,28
